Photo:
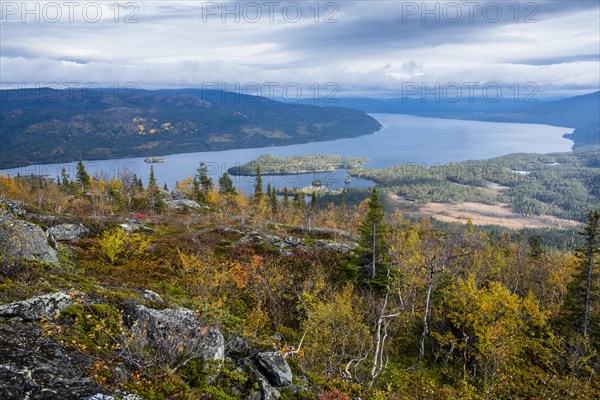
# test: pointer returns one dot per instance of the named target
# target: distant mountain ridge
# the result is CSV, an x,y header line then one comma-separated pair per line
x,y
48,126
579,112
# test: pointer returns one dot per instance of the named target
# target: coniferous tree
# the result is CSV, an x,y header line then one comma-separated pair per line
x,y
201,183
258,186
152,180
153,192
298,200
373,248
82,176
65,178
273,199
313,201
286,199
226,184
580,313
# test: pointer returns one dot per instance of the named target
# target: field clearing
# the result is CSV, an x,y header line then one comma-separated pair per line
x,y
488,214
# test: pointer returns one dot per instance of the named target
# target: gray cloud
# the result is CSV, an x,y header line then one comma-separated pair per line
x,y
375,46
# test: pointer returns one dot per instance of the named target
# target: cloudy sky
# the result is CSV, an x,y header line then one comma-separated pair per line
x,y
364,47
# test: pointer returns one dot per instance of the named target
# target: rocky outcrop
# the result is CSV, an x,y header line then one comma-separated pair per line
x,y
275,368
175,329
269,370
182,204
36,367
120,395
151,296
289,243
132,225
177,194
12,207
34,309
23,239
67,232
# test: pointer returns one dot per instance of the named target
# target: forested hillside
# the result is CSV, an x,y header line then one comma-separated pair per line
x,y
282,298
52,126
560,184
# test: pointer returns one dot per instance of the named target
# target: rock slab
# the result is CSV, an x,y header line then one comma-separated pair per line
x,y
176,328
275,368
67,232
35,308
23,239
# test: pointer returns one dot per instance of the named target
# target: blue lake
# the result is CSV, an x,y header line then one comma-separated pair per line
x,y
403,139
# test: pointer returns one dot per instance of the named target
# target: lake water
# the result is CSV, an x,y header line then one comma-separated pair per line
x,y
403,139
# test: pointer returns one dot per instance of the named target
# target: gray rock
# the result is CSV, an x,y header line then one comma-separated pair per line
x,y
132,225
275,368
266,390
23,239
12,207
238,347
293,241
152,296
182,204
36,367
230,230
177,194
42,219
176,328
100,396
67,232
37,307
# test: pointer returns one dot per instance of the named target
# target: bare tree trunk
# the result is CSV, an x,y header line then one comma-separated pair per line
x,y
425,316
381,335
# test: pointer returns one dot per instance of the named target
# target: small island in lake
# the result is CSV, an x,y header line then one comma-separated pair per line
x,y
154,160
271,164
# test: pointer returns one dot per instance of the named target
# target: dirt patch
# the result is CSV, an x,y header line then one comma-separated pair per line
x,y
487,214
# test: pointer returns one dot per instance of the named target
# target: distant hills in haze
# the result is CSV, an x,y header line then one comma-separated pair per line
x,y
579,112
49,126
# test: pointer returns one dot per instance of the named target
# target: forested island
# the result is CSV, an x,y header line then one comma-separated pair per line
x,y
270,164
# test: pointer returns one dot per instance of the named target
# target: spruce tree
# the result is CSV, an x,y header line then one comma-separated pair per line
x,y
582,293
153,192
373,252
273,199
286,199
226,184
201,183
298,200
65,178
152,180
82,176
258,186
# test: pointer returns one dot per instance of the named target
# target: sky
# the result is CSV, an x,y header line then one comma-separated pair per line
x,y
305,48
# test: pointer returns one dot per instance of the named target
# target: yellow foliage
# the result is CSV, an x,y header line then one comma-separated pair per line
x,y
117,245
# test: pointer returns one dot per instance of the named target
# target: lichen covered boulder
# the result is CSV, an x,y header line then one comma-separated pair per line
x,y
22,239
36,308
67,232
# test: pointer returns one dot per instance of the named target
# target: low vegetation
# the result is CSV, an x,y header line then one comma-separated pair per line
x,y
414,311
